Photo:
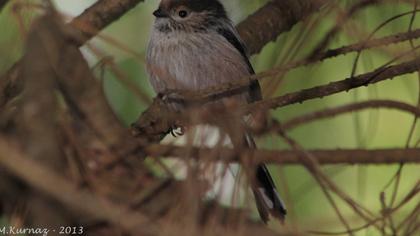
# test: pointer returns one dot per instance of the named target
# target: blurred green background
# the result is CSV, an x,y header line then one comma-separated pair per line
x,y
308,206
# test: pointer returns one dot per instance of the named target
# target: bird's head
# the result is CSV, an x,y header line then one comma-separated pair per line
x,y
188,15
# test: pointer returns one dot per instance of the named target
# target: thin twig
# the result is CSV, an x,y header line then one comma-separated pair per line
x,y
345,16
326,113
415,190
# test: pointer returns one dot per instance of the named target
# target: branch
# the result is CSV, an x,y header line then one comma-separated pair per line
x,y
387,40
85,95
274,18
325,157
36,120
322,114
100,15
339,86
357,47
98,126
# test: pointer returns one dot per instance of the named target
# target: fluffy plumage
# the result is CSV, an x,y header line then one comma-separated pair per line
x,y
194,46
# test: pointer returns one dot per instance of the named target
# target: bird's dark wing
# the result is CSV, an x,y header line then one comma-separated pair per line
x,y
232,38
267,199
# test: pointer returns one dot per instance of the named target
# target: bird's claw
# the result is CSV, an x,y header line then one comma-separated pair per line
x,y
177,131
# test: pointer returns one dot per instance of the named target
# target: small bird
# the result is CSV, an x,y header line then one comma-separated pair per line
x,y
194,46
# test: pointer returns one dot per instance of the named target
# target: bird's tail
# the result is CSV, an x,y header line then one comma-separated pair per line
x,y
268,201
267,198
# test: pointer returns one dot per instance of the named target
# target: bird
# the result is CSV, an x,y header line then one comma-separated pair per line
x,y
194,45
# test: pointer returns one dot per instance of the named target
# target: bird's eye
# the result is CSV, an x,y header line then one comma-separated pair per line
x,y
183,13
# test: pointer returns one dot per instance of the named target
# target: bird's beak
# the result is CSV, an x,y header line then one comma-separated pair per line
x,y
160,13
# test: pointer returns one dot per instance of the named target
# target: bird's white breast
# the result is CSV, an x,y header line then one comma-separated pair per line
x,y
192,61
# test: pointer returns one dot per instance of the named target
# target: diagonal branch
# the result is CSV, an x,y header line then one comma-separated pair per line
x,y
36,120
274,18
100,15
339,86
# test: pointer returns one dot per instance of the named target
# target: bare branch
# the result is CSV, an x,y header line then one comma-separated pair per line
x,y
339,86
274,18
36,119
285,157
360,46
85,95
322,114
100,15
